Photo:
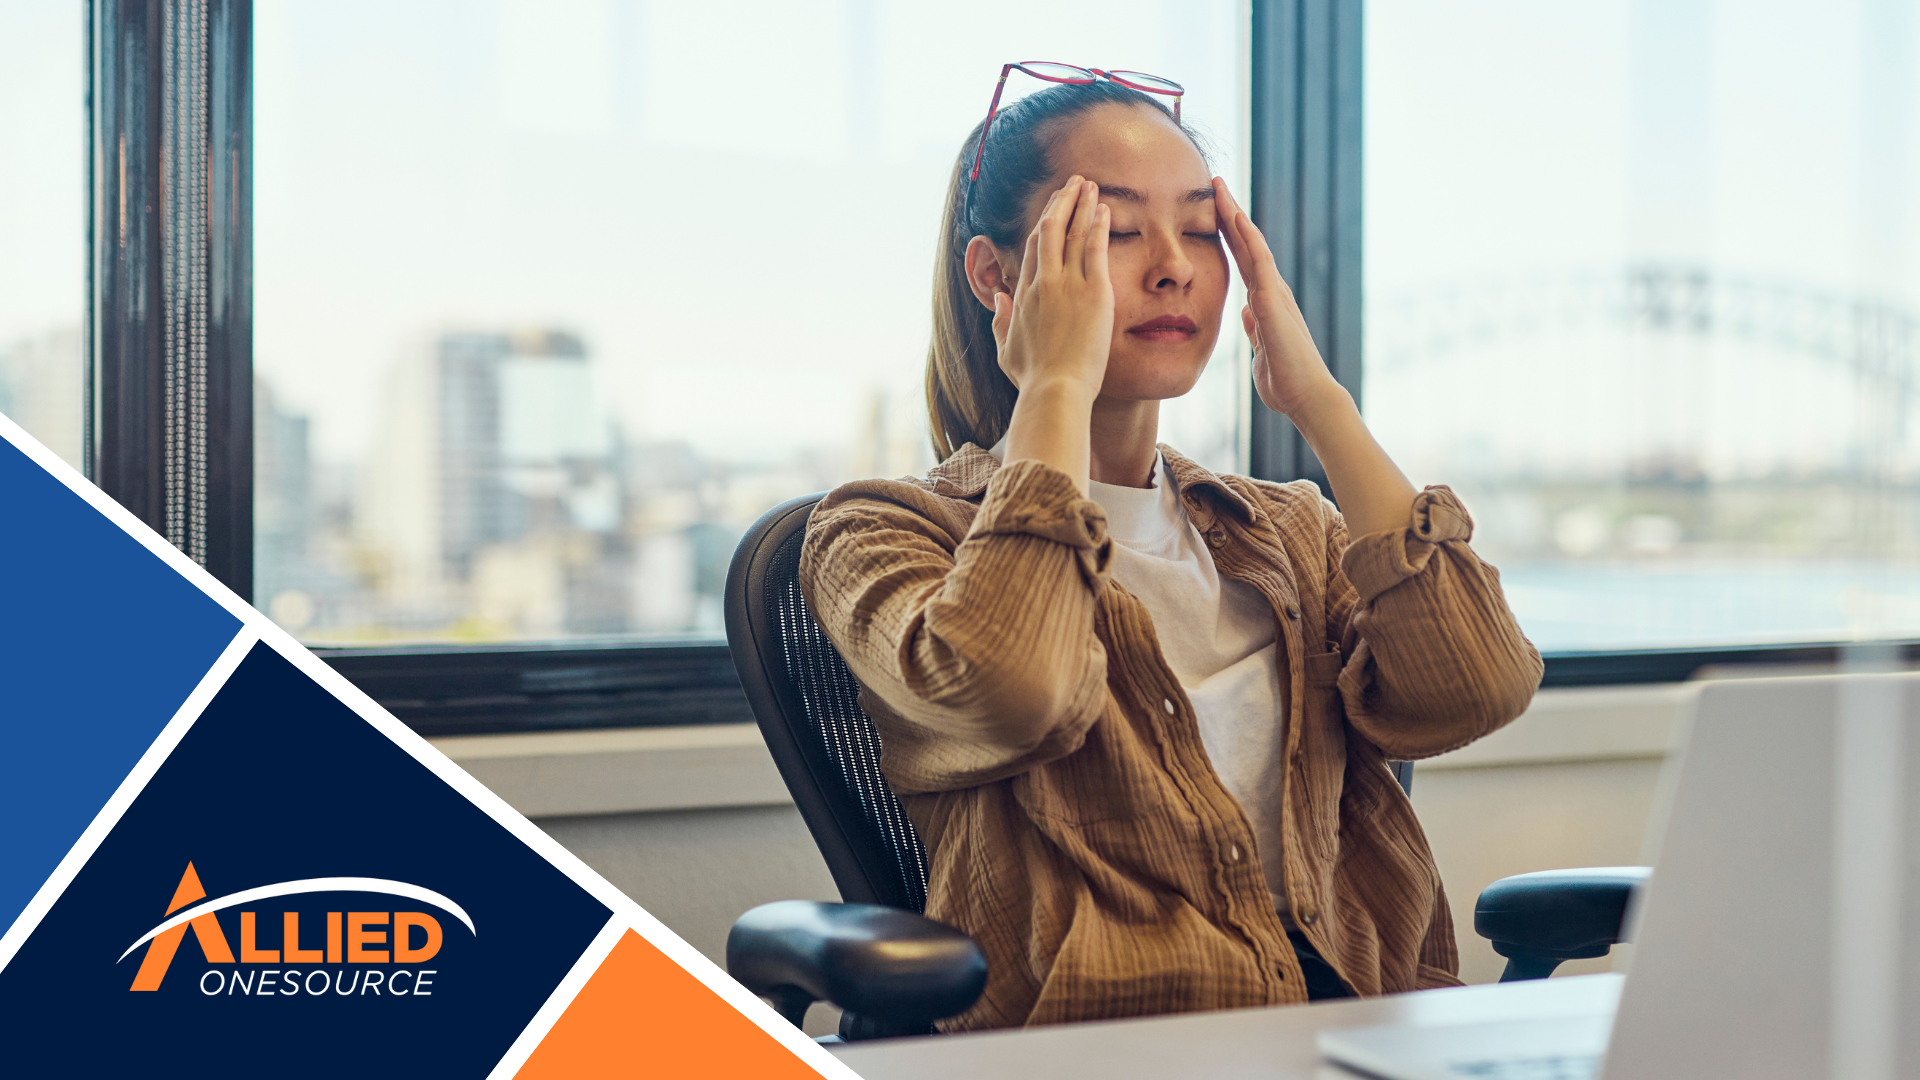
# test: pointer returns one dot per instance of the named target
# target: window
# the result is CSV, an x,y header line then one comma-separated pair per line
x,y
553,299
1642,282
43,222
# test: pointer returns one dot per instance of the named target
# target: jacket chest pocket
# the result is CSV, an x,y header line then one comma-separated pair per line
x,y
1321,748
1323,669
1323,708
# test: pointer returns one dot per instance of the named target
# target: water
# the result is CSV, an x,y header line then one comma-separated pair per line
x,y
1641,604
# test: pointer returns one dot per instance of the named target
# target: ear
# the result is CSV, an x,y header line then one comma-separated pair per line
x,y
990,270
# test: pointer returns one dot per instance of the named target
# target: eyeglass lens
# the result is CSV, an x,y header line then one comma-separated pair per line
x,y
1042,69
1148,82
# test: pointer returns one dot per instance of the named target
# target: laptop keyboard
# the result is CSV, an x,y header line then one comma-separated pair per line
x,y
1553,1067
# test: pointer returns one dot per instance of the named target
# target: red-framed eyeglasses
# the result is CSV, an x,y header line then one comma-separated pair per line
x,y
1077,76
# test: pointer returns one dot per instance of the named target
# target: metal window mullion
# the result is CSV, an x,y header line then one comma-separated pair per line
x,y
184,240
1306,193
198,228
170,298
170,320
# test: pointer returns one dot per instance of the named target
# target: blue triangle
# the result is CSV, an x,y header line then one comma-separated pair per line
x,y
100,643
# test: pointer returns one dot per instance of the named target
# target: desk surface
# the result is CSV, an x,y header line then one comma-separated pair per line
x,y
1276,1043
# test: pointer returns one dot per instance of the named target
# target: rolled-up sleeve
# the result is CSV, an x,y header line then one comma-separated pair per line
x,y
1435,656
983,651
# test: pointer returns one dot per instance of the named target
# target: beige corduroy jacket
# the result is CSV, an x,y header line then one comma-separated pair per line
x,y
1053,765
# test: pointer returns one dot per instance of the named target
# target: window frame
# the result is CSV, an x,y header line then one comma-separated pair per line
x,y
134,194
1306,114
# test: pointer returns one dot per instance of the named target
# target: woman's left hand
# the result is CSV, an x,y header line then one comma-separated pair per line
x,y
1292,379
1287,368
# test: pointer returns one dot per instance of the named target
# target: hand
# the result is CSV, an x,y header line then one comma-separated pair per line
x,y
1293,380
1057,326
1287,368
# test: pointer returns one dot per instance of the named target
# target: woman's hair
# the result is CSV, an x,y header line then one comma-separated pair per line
x,y
969,399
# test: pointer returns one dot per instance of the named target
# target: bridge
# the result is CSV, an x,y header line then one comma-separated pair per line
x,y
1774,353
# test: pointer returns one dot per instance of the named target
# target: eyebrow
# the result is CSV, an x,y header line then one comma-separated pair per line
x,y
1127,194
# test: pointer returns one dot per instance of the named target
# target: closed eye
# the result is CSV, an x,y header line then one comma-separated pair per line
x,y
1134,234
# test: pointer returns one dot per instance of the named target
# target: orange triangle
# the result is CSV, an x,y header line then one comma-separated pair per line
x,y
641,1014
188,891
206,930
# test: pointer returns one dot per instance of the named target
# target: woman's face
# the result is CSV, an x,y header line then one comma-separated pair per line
x,y
1165,256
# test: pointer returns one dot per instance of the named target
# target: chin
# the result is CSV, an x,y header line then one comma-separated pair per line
x,y
1152,387
1152,379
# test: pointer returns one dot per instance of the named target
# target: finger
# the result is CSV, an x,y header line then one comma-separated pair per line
x,y
1081,226
1245,240
1029,261
1228,213
1266,274
1096,265
1002,318
1053,224
1252,322
1225,205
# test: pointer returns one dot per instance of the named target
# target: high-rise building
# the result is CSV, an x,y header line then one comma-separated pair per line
x,y
492,501
42,388
282,508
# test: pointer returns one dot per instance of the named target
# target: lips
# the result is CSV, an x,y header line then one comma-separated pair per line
x,y
1166,328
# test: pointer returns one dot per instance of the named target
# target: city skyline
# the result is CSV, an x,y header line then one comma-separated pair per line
x,y
503,503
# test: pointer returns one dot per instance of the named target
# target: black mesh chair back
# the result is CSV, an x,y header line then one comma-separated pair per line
x,y
808,706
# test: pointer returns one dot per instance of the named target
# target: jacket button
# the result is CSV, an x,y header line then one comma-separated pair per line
x,y
1293,611
1218,538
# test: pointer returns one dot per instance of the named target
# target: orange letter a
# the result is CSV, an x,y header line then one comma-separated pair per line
x,y
206,930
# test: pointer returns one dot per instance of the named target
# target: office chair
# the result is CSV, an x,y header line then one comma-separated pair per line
x,y
892,970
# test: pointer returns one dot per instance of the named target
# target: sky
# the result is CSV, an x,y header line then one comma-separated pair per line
x,y
43,165
1504,135
734,204
1521,156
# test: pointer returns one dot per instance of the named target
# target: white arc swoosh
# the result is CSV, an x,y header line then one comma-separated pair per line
x,y
308,885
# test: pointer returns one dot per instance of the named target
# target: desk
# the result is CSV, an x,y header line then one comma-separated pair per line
x,y
1270,1044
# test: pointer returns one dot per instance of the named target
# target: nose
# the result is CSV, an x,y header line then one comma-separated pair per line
x,y
1169,270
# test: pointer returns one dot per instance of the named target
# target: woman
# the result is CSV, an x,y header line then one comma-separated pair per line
x,y
1141,713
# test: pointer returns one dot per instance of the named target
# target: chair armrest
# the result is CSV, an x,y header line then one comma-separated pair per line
x,y
883,964
1537,920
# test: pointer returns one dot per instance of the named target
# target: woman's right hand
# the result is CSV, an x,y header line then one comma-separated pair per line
x,y
1056,328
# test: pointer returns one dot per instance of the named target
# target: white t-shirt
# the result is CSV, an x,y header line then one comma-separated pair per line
x,y
1219,637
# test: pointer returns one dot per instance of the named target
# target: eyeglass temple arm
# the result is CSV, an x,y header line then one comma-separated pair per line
x,y
992,108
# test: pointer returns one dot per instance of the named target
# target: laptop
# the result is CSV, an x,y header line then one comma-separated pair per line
x,y
1780,933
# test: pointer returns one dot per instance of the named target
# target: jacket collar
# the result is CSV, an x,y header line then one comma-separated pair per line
x,y
1192,478
968,470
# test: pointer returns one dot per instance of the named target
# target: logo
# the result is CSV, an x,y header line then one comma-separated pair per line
x,y
361,952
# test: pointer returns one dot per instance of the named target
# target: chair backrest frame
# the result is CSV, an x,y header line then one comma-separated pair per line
x,y
865,866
